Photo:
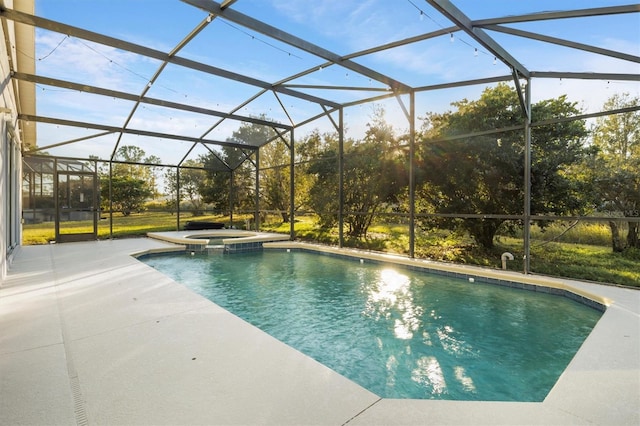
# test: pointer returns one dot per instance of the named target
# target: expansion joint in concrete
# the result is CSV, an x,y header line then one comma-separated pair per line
x,y
79,407
365,409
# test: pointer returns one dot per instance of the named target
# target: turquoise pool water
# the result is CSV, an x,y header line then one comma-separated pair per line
x,y
396,332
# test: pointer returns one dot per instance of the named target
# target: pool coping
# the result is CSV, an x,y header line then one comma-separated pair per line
x,y
472,273
64,317
194,240
250,240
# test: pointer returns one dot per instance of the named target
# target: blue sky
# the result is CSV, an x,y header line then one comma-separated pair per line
x,y
341,26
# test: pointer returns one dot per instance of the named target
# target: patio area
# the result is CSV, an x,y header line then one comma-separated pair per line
x,y
92,336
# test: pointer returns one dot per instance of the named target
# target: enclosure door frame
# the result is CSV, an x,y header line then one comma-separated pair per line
x,y
65,211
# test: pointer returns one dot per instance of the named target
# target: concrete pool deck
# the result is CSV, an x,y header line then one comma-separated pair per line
x,y
90,335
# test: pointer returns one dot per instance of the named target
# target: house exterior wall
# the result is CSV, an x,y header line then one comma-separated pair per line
x,y
10,150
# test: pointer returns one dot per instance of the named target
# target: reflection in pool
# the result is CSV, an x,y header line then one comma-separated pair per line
x,y
397,332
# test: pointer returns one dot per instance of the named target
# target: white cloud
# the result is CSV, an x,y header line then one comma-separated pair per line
x,y
89,63
355,25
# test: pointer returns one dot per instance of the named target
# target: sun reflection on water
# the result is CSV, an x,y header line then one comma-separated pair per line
x,y
428,374
465,381
402,334
392,296
392,367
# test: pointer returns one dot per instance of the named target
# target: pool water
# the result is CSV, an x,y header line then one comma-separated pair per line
x,y
399,333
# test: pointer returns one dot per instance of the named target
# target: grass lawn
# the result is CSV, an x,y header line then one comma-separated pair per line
x,y
578,260
591,262
134,225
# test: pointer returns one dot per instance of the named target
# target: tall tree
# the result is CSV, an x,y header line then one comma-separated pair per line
x,y
128,194
322,154
374,172
305,151
191,179
484,174
274,177
215,188
617,169
131,155
131,184
231,162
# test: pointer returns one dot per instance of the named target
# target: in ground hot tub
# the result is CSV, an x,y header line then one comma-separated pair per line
x,y
232,240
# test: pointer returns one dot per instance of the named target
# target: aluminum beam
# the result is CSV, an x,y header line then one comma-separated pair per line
x,y
544,16
377,49
61,28
586,75
403,42
146,100
233,111
464,23
347,88
116,129
563,42
226,3
304,45
473,82
55,145
201,26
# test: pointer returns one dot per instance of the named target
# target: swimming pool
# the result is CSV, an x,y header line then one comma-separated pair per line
x,y
396,332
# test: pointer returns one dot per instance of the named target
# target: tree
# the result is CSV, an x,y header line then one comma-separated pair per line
x,y
274,178
128,194
132,154
484,174
322,152
191,180
214,189
307,150
374,172
131,184
231,162
617,167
